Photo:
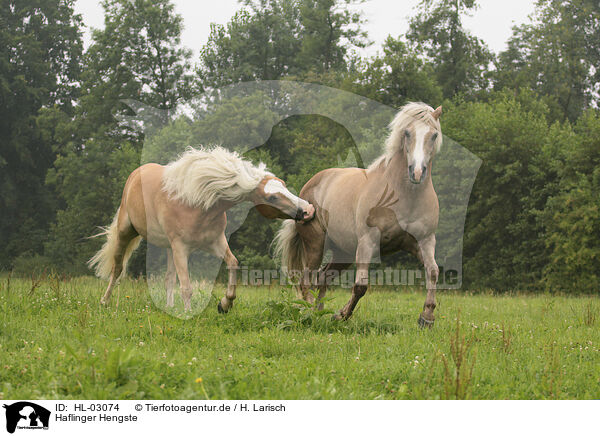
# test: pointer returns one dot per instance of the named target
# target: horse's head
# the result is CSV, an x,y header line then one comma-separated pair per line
x,y
420,141
274,200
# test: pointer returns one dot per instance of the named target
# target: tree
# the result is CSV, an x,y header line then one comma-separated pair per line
x,y
572,213
461,61
556,55
329,29
504,244
399,76
40,47
273,39
136,56
261,41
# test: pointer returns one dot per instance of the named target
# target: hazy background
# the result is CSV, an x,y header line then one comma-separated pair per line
x,y
530,111
492,22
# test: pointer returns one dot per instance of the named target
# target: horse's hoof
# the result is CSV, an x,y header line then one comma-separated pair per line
x,y
337,317
220,308
425,322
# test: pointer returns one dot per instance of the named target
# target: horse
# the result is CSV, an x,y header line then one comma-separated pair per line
x,y
362,213
182,207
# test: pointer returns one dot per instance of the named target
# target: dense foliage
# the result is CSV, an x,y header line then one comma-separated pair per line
x,y
530,113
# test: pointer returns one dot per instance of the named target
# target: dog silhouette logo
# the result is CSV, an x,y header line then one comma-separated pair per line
x,y
26,415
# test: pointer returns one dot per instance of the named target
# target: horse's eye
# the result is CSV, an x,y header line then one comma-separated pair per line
x,y
272,198
434,136
407,133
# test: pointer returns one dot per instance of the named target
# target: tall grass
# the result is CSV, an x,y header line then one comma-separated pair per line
x,y
56,341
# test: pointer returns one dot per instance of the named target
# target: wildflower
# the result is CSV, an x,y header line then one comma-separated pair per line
x,y
199,380
171,364
127,296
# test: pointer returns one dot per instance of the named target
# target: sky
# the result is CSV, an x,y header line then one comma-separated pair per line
x,y
492,22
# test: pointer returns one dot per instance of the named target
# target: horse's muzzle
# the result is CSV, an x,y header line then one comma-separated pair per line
x,y
305,214
416,176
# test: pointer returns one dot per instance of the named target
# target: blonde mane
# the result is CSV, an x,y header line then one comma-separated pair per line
x,y
201,177
410,113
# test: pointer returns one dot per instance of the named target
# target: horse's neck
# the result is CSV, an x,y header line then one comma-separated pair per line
x,y
221,206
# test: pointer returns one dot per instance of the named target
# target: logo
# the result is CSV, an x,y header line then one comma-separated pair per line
x,y
221,116
26,415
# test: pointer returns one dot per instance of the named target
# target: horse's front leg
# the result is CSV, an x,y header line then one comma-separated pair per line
x,y
170,278
427,248
364,253
181,253
221,249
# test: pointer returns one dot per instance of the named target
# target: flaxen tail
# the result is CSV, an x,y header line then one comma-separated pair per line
x,y
288,246
104,260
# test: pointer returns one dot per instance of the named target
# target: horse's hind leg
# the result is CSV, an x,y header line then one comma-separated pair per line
x,y
125,234
313,239
325,277
170,278
111,284
310,275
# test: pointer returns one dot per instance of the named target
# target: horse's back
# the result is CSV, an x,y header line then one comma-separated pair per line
x,y
144,181
161,219
333,183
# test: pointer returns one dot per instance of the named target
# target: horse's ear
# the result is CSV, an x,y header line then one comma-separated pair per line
x,y
437,113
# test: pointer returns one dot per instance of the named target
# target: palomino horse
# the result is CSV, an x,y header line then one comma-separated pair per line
x,y
182,207
362,213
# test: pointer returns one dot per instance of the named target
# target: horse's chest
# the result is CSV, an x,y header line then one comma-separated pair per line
x,y
395,231
394,239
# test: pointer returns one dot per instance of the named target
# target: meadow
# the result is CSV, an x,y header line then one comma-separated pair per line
x,y
57,342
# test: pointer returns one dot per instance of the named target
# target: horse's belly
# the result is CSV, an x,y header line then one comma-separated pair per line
x,y
343,239
156,236
158,241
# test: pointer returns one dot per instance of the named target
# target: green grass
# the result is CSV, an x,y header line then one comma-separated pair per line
x,y
56,341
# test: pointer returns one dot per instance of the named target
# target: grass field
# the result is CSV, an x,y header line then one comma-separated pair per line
x,y
57,342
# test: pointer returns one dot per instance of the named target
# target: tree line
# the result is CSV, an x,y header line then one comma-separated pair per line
x,y
529,112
